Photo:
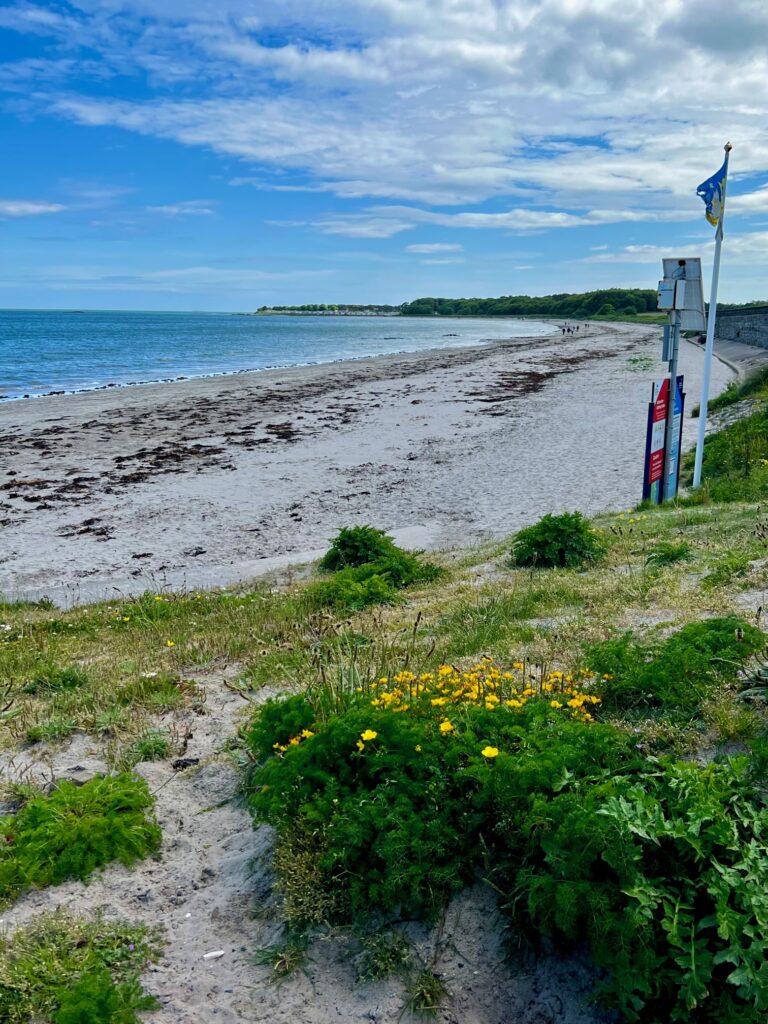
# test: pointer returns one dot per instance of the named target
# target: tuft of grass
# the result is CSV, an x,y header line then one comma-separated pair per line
x,y
426,993
152,745
668,552
284,958
384,954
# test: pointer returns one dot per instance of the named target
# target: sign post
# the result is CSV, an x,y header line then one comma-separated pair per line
x,y
680,295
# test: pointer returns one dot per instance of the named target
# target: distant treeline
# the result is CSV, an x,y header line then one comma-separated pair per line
x,y
582,306
322,307
576,306
564,305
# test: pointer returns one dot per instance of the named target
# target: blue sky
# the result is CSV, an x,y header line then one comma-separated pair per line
x,y
179,154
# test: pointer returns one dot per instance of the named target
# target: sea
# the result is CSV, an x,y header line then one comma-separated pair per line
x,y
54,351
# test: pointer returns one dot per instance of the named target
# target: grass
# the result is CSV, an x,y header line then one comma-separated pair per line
x,y
111,669
755,386
48,956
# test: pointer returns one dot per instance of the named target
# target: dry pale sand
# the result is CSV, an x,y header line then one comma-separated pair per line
x,y
210,481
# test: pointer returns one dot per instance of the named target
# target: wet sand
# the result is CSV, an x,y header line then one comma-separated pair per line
x,y
207,482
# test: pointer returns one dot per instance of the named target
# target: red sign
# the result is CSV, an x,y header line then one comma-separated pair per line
x,y
658,432
655,442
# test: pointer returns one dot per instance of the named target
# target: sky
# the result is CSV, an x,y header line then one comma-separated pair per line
x,y
192,154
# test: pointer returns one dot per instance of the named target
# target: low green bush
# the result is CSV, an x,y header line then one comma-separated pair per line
x,y
48,967
74,831
663,873
395,801
658,866
96,999
277,722
732,565
357,545
677,673
352,590
368,568
566,541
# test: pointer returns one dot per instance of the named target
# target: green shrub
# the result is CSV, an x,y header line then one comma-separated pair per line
x,y
276,722
662,873
353,588
347,590
397,816
659,867
74,831
357,545
679,672
47,958
566,541
96,999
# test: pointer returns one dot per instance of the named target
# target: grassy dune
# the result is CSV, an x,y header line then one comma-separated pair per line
x,y
129,674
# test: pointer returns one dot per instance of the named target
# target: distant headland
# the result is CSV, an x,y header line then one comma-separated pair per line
x,y
579,306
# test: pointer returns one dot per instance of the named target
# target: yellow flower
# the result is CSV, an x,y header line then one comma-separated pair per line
x,y
307,734
369,734
417,748
437,702
294,741
126,618
360,745
489,752
555,704
169,643
446,726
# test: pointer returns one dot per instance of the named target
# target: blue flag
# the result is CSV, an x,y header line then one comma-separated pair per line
x,y
712,191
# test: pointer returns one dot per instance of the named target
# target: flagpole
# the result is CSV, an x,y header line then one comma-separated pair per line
x,y
703,405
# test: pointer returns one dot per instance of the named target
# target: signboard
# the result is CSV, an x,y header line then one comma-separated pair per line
x,y
654,444
677,436
681,290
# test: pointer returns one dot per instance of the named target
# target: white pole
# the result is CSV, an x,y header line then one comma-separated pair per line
x,y
703,405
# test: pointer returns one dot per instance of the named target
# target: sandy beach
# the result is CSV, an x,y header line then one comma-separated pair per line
x,y
211,481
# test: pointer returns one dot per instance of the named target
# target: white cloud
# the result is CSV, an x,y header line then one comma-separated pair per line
x,y
363,226
427,247
569,113
188,208
12,208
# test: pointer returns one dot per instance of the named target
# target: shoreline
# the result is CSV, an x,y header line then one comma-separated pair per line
x,y
215,480
113,386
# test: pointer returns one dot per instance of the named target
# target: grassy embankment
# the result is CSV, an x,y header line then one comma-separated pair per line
x,y
577,769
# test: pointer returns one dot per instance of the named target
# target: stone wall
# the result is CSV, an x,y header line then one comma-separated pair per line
x,y
748,325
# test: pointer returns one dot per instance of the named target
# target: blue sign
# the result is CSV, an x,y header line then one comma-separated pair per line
x,y
673,473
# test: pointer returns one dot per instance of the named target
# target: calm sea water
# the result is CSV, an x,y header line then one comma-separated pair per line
x,y
44,351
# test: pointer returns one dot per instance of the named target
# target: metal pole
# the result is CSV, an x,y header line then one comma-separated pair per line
x,y
704,404
668,481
